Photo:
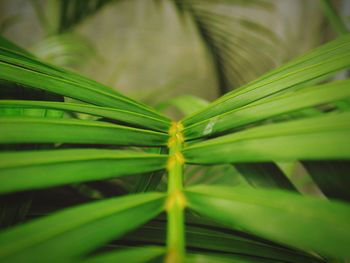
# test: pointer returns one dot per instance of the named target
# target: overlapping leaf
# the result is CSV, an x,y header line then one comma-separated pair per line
x,y
110,113
72,233
37,169
25,70
319,138
214,239
324,60
302,222
42,130
290,102
287,218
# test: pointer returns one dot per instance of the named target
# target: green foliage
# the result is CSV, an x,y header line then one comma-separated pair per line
x,y
67,165
318,138
61,239
324,60
15,130
290,102
277,215
282,116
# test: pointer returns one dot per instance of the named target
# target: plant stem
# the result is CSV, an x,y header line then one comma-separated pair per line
x,y
176,201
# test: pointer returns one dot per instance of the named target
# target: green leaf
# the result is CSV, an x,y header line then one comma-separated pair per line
x,y
10,91
4,43
111,113
37,169
212,238
27,71
130,255
149,182
317,138
286,103
74,232
289,218
12,57
324,60
44,130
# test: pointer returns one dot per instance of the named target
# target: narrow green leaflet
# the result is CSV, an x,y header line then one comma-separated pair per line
x,y
130,255
11,91
149,182
115,114
286,103
318,138
289,218
74,232
27,71
43,130
4,43
45,168
212,238
324,60
13,57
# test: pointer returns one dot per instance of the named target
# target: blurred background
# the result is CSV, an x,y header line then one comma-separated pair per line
x,y
163,51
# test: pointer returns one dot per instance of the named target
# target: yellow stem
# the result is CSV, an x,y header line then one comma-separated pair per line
x,y
176,201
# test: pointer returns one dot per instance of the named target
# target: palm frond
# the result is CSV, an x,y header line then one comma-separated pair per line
x,y
282,116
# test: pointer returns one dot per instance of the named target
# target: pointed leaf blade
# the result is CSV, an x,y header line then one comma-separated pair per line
x,y
46,168
324,60
111,113
72,233
302,222
44,130
318,138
